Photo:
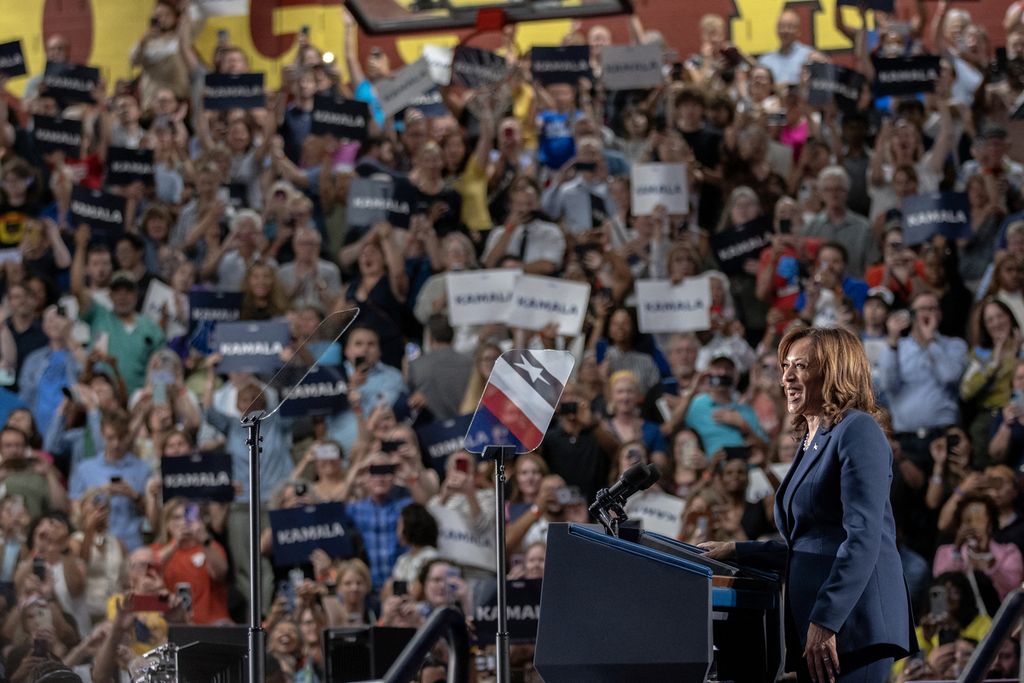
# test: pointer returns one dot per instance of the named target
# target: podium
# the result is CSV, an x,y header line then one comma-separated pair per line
x,y
652,608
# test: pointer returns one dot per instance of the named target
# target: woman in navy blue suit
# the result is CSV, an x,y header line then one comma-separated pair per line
x,y
848,608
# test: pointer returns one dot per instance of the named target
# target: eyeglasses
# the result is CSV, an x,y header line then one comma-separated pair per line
x,y
894,245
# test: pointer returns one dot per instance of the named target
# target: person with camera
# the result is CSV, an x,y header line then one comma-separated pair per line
x,y
103,554
1006,431
475,506
973,548
951,477
34,479
526,236
579,447
718,418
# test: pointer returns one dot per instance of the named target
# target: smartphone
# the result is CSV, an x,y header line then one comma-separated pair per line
x,y
359,362
184,592
462,465
568,408
149,603
731,55
39,568
399,588
785,226
287,590
301,489
191,513
222,36
585,166
389,446
304,30
40,647
382,470
159,394
116,479
952,441
1017,398
938,600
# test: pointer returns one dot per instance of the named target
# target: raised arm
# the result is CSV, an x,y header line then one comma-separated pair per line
x,y
355,69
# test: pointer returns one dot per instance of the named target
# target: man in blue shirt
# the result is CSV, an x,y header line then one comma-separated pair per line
x,y
377,515
582,201
370,381
718,419
119,475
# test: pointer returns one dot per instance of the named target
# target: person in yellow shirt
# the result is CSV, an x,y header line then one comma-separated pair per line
x,y
468,173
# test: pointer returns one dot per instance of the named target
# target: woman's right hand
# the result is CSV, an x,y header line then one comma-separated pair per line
x,y
718,550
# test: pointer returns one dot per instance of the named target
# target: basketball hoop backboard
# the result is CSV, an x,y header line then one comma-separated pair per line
x,y
408,16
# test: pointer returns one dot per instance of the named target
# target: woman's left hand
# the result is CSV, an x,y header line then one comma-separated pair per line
x,y
820,653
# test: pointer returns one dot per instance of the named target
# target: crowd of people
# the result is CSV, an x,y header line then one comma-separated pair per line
x,y
98,391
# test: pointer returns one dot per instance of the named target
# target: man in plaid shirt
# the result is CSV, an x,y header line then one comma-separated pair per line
x,y
376,516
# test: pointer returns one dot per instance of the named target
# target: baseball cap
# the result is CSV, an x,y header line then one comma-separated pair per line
x,y
882,294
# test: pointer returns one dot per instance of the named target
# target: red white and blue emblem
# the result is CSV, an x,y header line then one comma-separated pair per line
x,y
519,400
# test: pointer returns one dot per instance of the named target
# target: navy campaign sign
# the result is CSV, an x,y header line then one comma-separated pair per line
x,y
101,211
251,346
297,532
345,119
924,215
206,306
200,476
12,59
324,391
70,83
562,64
234,91
125,166
57,135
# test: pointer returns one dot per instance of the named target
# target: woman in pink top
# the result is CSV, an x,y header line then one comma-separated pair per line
x,y
973,547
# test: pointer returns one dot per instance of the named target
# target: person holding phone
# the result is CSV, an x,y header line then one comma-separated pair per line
x,y
376,515
189,555
848,607
475,506
1006,430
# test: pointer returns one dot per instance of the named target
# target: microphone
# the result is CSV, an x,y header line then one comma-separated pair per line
x,y
638,477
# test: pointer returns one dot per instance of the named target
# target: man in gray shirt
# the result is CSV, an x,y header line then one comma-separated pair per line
x,y
788,61
838,224
438,378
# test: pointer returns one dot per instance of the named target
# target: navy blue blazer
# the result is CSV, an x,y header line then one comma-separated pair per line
x,y
839,553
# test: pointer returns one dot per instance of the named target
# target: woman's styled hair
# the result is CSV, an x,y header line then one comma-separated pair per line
x,y
839,357
515,495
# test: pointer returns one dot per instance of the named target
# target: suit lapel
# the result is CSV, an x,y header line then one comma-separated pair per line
x,y
802,469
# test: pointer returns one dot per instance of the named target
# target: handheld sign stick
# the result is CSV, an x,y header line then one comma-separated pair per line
x,y
299,363
514,413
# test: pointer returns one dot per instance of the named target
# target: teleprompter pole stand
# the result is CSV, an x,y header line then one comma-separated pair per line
x,y
257,642
499,453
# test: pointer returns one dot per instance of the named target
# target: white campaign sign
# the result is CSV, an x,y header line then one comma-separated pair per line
x,y
664,184
478,297
664,307
660,512
158,297
631,67
540,301
457,540
397,92
439,58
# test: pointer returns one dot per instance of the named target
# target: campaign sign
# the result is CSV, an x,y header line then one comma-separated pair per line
x,y
906,75
430,104
661,513
522,612
539,301
398,92
479,297
475,68
125,166
876,5
372,200
101,211
439,59
234,91
159,304
562,64
215,307
248,346
457,538
57,135
346,119
631,67
440,439
925,215
664,307
12,59
664,184
323,391
200,476
833,83
297,532
70,83
734,247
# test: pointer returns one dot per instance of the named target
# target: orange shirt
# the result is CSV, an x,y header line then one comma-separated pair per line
x,y
209,598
